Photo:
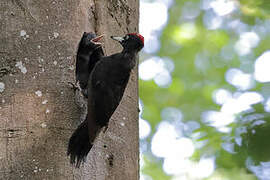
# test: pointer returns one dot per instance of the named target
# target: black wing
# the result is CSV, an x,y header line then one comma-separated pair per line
x,y
88,55
108,82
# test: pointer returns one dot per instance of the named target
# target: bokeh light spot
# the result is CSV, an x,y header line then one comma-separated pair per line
x,y
262,64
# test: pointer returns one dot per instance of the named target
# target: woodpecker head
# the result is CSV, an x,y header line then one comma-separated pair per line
x,y
131,41
90,40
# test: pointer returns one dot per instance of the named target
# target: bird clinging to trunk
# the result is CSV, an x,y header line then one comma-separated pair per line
x,y
105,88
88,54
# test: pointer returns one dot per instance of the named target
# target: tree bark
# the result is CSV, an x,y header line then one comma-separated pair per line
x,y
37,110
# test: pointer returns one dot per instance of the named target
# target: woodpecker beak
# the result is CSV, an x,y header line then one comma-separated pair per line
x,y
97,39
119,39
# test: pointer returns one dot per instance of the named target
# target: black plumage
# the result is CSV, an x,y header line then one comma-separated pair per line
x,y
106,86
88,54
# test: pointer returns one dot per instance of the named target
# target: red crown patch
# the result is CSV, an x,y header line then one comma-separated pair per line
x,y
139,36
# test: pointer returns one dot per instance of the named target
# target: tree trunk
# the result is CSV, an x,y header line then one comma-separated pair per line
x,y
37,109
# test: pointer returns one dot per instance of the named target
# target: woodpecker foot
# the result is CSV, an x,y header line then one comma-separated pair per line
x,y
75,86
105,129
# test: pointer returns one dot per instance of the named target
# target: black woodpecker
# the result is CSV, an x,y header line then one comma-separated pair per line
x,y
106,86
88,54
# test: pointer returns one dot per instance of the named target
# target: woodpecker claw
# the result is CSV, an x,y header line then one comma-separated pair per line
x,y
75,86
105,129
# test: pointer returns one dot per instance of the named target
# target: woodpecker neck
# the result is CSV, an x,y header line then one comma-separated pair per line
x,y
83,50
88,50
131,52
129,58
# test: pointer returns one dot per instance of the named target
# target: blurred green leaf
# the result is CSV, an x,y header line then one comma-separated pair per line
x,y
200,66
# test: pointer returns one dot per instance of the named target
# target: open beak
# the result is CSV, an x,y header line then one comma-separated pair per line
x,y
97,39
119,39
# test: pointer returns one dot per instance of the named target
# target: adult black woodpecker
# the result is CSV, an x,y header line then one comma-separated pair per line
x,y
88,54
106,87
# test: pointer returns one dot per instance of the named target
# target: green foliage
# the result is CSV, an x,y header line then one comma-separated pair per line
x,y
154,169
229,174
255,8
199,70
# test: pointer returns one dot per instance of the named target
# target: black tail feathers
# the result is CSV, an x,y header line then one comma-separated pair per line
x,y
79,145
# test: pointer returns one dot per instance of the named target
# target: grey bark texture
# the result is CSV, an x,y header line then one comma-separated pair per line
x,y
37,110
